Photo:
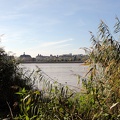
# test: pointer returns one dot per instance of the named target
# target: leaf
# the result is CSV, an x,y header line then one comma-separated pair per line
x,y
114,105
37,92
26,97
28,107
19,93
33,117
61,110
28,102
27,118
23,90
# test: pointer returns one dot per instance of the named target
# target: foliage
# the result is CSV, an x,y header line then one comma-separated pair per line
x,y
99,98
11,80
53,102
103,85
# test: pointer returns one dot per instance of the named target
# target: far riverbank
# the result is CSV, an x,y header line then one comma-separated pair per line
x,y
50,62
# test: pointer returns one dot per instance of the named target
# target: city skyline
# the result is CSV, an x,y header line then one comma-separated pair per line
x,y
53,26
52,58
24,53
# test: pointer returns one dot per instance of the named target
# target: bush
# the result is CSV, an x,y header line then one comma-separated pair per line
x,y
11,81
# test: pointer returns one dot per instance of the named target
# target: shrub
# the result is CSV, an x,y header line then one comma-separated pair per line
x,y
11,81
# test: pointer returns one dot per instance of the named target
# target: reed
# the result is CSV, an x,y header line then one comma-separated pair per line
x,y
99,98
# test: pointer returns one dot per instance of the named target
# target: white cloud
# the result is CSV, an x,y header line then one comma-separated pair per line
x,y
55,42
64,45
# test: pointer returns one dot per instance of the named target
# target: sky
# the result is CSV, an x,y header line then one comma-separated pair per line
x,y
52,26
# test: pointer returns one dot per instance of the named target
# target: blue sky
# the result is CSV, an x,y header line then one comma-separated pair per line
x,y
52,26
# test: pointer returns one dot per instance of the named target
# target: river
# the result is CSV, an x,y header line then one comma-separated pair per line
x,y
64,73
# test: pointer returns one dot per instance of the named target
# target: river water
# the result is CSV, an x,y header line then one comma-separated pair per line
x,y
64,73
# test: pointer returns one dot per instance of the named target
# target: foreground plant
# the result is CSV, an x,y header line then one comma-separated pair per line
x,y
12,80
99,98
103,84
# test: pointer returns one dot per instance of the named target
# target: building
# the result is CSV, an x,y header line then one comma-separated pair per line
x,y
53,58
66,57
25,58
40,58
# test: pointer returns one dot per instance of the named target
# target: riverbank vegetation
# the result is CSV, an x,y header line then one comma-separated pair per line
x,y
98,98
